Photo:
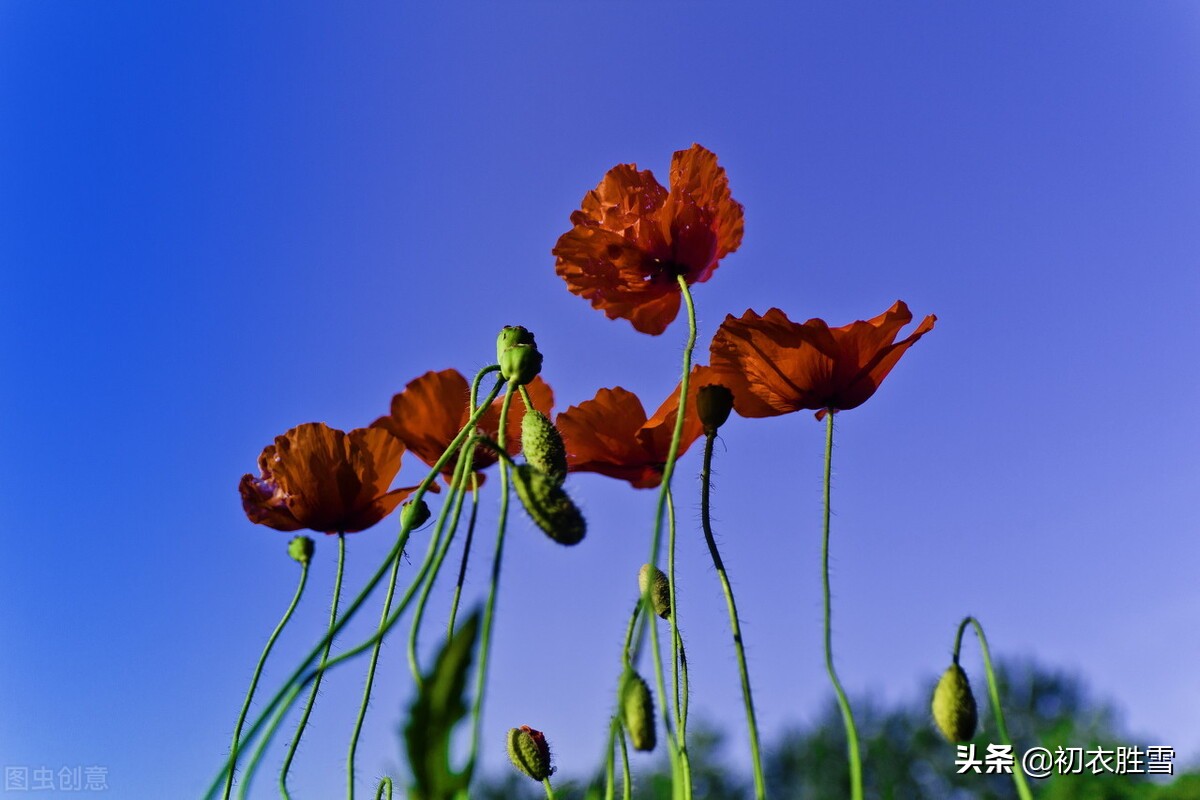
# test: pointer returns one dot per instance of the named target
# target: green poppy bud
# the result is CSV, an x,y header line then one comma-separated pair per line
x,y
637,711
413,516
548,505
511,336
954,708
529,752
660,593
301,549
543,446
713,404
520,363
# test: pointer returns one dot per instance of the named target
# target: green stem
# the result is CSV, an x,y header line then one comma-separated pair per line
x,y
678,658
856,779
549,790
660,513
440,547
994,696
287,693
384,783
316,686
262,660
735,625
462,568
626,777
489,609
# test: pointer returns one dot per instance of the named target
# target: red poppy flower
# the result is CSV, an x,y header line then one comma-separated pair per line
x,y
774,366
324,479
611,435
433,408
632,237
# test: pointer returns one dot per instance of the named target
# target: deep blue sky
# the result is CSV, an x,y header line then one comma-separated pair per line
x,y
219,222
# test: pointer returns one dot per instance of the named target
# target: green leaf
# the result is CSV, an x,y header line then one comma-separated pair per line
x,y
437,709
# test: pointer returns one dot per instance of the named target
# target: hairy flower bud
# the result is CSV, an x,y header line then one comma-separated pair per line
x,y
301,549
517,354
637,711
529,752
713,403
543,446
413,516
548,505
660,593
954,708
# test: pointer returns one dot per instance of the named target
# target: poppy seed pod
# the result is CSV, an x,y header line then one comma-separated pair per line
x,y
543,446
660,593
511,336
529,752
520,363
414,516
301,549
637,711
548,505
713,403
954,708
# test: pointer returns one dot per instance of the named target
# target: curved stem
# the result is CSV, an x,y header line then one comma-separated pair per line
x,y
462,568
287,693
735,625
660,512
856,780
489,609
262,660
384,783
994,696
312,697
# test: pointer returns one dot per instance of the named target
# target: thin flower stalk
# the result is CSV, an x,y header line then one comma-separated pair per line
x,y
385,787
856,776
462,569
735,626
489,610
994,698
312,697
300,677
679,672
656,542
237,730
549,789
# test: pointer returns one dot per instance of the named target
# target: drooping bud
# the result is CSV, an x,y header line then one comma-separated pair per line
x,y
637,711
660,592
713,403
954,708
414,515
517,354
301,549
543,446
548,505
529,752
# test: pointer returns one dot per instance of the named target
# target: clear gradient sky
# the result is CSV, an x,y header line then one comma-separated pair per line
x,y
219,221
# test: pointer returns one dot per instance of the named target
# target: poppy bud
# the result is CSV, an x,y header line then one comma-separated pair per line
x,y
660,594
713,403
637,711
548,505
954,708
511,336
520,363
301,549
529,752
414,516
543,446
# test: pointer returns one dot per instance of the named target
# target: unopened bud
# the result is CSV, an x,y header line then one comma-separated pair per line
x,y
954,708
301,549
660,592
414,515
511,336
548,505
520,363
529,752
713,403
543,446
637,711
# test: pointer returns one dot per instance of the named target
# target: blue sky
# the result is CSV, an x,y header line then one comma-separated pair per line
x,y
218,222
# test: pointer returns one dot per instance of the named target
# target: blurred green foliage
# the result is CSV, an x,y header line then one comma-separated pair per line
x,y
904,756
